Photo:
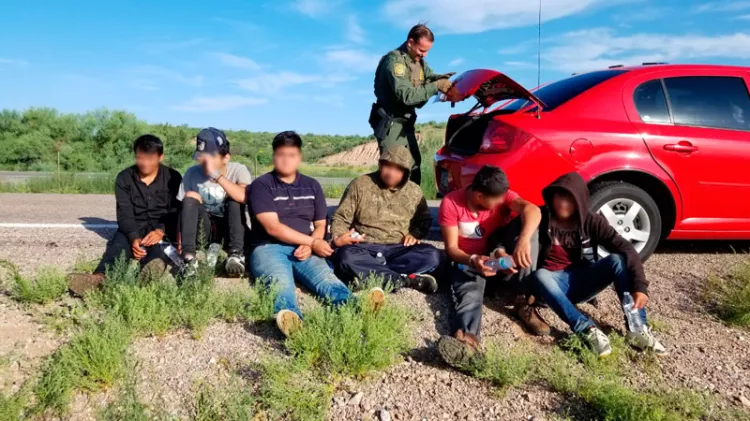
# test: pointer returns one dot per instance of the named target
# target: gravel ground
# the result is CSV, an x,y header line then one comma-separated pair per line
x,y
706,355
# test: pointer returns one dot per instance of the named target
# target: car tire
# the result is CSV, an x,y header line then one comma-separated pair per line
x,y
644,216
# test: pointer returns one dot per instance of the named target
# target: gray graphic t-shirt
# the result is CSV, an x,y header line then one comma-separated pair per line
x,y
212,194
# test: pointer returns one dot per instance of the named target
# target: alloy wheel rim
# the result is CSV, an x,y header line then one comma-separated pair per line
x,y
629,219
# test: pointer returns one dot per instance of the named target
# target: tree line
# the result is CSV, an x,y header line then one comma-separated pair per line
x,y
43,139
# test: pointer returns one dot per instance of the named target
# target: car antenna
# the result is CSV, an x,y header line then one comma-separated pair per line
x,y
539,58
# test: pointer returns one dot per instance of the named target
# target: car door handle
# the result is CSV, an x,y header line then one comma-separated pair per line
x,y
683,146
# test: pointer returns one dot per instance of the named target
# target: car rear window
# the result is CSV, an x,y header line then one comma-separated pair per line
x,y
562,91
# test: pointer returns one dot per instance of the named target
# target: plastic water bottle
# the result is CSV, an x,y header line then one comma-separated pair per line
x,y
355,235
171,252
635,321
213,254
503,263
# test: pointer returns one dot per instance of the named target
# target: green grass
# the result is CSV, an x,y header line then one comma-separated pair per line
x,y
48,284
351,340
127,406
85,265
503,366
231,402
289,390
65,183
13,407
92,360
729,296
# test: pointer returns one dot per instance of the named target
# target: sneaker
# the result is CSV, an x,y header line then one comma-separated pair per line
x,y
530,316
81,283
288,322
152,271
421,282
458,351
598,341
376,298
645,340
235,265
191,265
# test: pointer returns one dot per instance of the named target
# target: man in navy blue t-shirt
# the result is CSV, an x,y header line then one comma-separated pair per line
x,y
289,216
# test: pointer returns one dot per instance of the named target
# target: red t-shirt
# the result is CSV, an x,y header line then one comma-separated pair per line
x,y
474,229
564,243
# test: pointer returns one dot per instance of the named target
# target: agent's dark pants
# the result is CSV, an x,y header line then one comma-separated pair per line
x,y
195,219
119,244
468,287
361,260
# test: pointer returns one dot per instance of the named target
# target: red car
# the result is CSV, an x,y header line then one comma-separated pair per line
x,y
665,149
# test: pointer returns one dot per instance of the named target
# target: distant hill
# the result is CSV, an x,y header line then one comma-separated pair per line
x,y
38,139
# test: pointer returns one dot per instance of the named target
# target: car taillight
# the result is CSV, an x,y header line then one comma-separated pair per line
x,y
501,137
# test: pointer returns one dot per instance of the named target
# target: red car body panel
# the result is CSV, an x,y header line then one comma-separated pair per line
x,y
599,132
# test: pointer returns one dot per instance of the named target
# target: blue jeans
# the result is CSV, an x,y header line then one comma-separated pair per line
x,y
563,289
275,264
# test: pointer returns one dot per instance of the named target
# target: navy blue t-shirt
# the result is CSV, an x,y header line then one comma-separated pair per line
x,y
297,204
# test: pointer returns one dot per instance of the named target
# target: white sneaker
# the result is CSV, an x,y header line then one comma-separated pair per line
x,y
645,340
598,341
288,322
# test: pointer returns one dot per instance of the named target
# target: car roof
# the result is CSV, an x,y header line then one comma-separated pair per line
x,y
677,67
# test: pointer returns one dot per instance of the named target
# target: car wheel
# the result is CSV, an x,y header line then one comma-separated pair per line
x,y
632,213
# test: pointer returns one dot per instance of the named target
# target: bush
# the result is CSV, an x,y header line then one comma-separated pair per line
x,y
503,366
229,403
351,339
289,390
729,297
48,285
127,406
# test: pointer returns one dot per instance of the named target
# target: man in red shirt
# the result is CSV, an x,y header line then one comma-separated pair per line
x,y
482,220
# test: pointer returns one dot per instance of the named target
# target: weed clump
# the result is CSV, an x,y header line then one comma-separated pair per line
x,y
290,390
48,285
729,297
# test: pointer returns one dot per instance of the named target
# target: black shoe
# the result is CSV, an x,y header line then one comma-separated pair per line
x,y
421,282
235,265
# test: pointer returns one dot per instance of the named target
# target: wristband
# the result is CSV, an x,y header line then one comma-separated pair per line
x,y
214,175
472,257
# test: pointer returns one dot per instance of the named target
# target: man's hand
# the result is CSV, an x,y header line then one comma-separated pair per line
x,y
522,253
321,248
409,240
347,240
640,300
206,164
152,238
303,253
478,264
444,76
444,85
500,253
138,252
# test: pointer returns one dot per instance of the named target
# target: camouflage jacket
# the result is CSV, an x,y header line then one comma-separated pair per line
x,y
402,84
384,216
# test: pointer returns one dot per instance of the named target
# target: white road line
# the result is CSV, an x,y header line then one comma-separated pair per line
x,y
37,226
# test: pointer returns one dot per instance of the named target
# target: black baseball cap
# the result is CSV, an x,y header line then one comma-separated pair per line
x,y
209,141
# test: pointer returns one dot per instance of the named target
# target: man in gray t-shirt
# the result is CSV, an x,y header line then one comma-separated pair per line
x,y
207,193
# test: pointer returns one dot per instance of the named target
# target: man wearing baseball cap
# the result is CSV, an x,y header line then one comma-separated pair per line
x,y
208,194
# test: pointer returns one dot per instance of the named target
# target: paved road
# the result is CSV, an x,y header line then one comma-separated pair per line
x,y
22,176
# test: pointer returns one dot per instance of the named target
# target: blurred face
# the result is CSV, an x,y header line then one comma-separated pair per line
x,y
563,205
486,202
391,174
286,160
147,162
215,162
418,49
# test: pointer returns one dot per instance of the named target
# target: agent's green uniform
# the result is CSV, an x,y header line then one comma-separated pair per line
x,y
401,86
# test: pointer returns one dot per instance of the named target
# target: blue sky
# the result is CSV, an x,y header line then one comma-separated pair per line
x,y
308,64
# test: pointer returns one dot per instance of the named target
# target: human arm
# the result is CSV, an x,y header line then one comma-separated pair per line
x,y
448,219
125,210
531,216
404,90
235,190
422,221
343,218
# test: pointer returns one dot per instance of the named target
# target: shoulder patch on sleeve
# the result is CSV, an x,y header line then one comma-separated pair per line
x,y
399,69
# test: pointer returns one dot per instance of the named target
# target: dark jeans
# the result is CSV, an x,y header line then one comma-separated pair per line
x,y
119,244
231,226
360,260
563,289
468,287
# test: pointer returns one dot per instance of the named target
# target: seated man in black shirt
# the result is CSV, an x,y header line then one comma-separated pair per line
x,y
147,210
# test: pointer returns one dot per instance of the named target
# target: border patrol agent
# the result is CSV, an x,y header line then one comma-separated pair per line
x,y
404,82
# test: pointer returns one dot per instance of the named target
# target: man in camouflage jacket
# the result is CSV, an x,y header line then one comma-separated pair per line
x,y
378,226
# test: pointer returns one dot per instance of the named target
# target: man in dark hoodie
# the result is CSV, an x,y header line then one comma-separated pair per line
x,y
570,271
379,225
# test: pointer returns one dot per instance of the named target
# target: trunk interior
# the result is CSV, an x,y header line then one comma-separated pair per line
x,y
464,133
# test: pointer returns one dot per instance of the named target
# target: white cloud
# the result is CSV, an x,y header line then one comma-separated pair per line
x,y
13,61
351,60
239,62
315,8
353,30
195,81
474,16
219,103
722,6
514,49
744,17
270,83
598,48
456,61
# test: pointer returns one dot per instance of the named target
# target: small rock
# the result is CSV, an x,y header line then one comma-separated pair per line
x,y
383,415
366,406
339,401
212,361
444,376
744,401
356,399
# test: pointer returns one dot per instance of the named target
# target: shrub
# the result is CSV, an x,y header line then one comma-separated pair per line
x,y
503,366
229,403
289,390
48,285
13,407
127,406
729,297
